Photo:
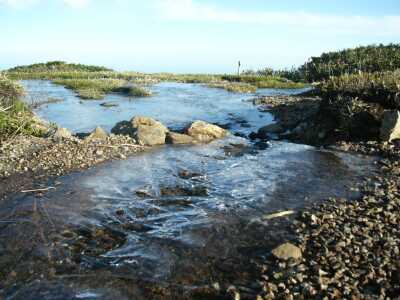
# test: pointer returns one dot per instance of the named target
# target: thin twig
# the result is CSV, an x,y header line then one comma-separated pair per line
x,y
39,190
5,109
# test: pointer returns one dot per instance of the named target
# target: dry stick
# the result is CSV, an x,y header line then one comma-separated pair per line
x,y
39,190
121,145
5,109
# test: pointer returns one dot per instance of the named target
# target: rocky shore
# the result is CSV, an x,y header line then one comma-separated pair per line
x,y
341,249
27,162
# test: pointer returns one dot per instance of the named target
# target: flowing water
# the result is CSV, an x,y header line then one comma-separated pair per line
x,y
167,223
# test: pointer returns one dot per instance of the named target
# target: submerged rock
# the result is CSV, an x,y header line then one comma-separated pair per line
x,y
270,129
179,138
97,134
185,174
199,191
287,251
205,132
390,129
108,104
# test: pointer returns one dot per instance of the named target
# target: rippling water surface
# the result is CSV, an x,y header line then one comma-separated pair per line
x,y
168,220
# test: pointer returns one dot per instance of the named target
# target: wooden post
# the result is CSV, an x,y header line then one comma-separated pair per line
x,y
239,68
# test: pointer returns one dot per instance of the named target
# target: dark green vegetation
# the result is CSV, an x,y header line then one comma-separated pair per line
x,y
369,59
379,87
363,59
15,116
57,66
356,86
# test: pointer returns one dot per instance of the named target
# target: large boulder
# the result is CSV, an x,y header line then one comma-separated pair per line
x,y
178,138
148,131
97,134
390,128
287,251
205,132
146,121
150,136
62,134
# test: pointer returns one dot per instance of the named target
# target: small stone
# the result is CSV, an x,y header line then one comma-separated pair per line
x,y
287,251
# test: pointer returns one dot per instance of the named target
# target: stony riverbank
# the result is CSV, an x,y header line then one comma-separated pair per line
x,y
349,249
28,161
341,249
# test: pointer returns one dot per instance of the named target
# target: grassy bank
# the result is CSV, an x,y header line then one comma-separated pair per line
x,y
378,87
15,116
265,81
234,87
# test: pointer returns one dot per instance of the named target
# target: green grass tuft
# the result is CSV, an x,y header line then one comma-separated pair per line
x,y
92,88
234,87
137,91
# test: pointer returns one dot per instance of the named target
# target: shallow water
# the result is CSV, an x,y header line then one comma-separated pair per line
x,y
168,221
174,104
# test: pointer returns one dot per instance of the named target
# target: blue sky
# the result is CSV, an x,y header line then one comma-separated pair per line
x,y
197,36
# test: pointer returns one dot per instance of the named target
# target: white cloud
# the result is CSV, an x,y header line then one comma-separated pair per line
x,y
17,3
27,3
77,3
189,10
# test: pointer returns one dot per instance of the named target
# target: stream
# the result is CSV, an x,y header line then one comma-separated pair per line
x,y
175,222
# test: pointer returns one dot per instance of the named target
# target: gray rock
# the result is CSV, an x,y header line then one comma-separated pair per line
x,y
178,138
61,134
150,136
97,134
287,251
390,129
148,131
205,132
146,121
